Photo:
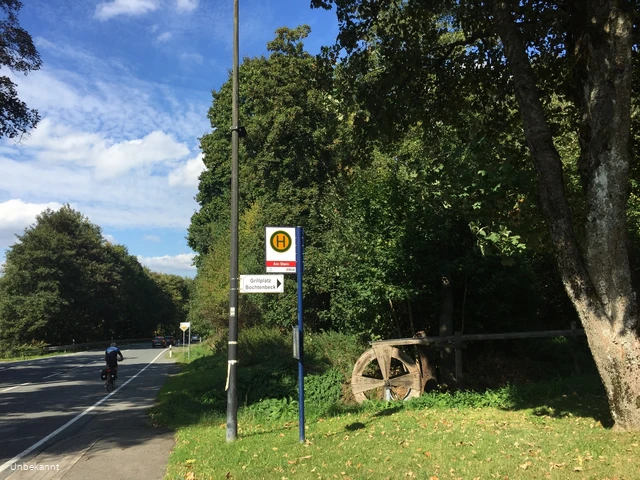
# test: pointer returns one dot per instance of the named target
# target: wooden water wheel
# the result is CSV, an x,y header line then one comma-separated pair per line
x,y
385,373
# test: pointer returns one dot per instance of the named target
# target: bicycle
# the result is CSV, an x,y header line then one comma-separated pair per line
x,y
111,379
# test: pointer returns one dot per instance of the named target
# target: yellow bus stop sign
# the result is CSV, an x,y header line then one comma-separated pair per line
x,y
280,241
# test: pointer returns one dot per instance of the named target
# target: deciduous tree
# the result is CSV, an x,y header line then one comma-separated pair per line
x,y
19,54
424,59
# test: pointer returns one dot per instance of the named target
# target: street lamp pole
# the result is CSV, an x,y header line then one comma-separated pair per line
x,y
232,392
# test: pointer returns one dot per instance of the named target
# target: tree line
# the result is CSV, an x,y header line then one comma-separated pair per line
x,y
63,282
456,165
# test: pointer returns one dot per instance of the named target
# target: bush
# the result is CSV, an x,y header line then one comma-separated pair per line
x,y
322,392
24,350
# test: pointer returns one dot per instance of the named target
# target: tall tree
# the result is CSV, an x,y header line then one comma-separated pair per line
x,y
63,281
286,162
429,54
18,53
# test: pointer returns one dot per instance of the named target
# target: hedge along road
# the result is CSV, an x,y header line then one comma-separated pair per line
x,y
58,409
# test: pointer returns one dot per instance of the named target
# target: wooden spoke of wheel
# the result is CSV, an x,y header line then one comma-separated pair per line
x,y
384,368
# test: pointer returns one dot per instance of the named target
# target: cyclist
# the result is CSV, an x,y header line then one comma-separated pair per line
x,y
111,356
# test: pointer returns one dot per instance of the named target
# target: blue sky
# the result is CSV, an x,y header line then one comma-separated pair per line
x,y
123,95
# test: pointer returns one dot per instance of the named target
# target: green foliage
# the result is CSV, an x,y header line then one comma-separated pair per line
x,y
274,409
321,395
267,381
63,282
33,349
323,392
504,398
392,199
19,54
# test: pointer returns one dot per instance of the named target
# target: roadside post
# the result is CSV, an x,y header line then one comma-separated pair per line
x,y
299,270
184,326
284,253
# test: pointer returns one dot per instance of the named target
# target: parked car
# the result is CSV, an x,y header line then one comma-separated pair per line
x,y
169,340
195,338
158,341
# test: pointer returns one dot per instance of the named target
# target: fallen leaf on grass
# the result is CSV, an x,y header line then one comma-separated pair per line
x,y
191,476
577,469
525,465
427,454
190,461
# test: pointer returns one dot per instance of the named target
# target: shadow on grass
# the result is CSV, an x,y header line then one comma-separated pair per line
x,y
267,388
582,396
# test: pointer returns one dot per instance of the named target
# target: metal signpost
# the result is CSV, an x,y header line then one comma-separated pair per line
x,y
284,253
184,326
299,270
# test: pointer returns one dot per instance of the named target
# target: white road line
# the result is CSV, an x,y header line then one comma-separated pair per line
x,y
17,458
11,388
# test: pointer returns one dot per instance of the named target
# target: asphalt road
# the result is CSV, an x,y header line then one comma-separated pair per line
x,y
56,411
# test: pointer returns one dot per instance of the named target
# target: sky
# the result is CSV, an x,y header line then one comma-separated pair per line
x,y
123,94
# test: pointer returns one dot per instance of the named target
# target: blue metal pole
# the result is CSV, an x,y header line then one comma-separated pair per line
x,y
299,269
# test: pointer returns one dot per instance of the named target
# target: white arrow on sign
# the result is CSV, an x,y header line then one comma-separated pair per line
x,y
261,283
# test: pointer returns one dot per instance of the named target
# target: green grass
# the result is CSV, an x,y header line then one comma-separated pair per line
x,y
557,429
19,357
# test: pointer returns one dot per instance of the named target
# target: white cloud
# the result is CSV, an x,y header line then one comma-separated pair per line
x,y
107,144
135,200
164,37
187,175
56,143
176,264
109,238
152,238
192,58
119,106
105,11
16,215
186,5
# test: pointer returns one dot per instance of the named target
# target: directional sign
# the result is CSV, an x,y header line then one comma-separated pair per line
x,y
280,253
261,283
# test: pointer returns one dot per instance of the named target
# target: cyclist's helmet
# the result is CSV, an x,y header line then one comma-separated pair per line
x,y
113,344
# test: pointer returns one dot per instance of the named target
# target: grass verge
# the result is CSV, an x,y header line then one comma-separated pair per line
x,y
557,429
16,358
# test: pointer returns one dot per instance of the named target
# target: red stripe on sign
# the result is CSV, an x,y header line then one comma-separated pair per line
x,y
281,264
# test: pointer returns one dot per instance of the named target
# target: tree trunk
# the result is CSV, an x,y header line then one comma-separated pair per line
x,y
598,279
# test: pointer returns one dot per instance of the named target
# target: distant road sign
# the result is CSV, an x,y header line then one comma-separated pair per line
x,y
184,326
261,283
280,252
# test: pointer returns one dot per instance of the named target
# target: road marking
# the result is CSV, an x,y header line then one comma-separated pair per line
x,y
11,388
17,458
